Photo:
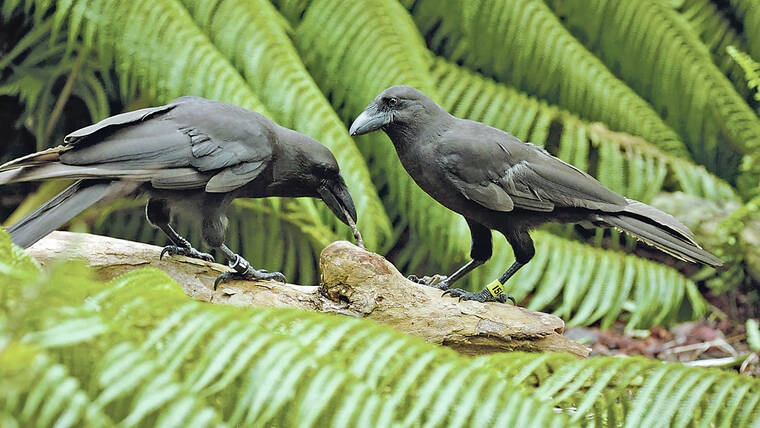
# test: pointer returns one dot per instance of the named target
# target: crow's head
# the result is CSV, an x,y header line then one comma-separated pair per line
x,y
314,169
397,106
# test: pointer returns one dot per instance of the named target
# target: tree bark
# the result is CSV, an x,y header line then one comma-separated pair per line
x,y
354,282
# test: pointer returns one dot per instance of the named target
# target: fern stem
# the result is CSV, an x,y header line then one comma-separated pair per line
x,y
64,96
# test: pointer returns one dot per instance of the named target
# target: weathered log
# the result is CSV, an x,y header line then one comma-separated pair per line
x,y
354,282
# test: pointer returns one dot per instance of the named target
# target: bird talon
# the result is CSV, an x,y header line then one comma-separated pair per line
x,y
174,250
249,275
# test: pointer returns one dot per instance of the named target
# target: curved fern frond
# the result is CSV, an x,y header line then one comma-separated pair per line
x,y
750,67
524,44
634,392
717,33
149,353
45,62
748,12
662,58
270,64
646,170
136,350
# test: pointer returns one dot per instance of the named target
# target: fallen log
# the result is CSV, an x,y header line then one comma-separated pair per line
x,y
354,282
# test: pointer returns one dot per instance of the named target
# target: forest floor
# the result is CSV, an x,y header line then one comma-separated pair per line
x,y
720,340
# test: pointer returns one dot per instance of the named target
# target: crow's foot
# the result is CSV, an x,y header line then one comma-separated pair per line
x,y
436,281
249,275
174,250
483,296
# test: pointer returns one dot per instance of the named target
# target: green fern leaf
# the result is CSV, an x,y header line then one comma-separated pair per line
x,y
523,44
664,59
633,392
717,33
165,359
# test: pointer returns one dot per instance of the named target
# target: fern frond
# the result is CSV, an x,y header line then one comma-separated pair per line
x,y
634,392
750,67
717,33
646,170
662,58
270,64
524,44
45,61
748,12
155,356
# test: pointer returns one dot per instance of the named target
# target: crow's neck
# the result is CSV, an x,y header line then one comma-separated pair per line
x,y
406,136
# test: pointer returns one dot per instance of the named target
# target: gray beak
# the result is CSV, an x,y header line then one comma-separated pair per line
x,y
338,199
370,120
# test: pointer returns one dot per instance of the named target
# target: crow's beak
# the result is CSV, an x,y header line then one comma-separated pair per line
x,y
338,199
370,120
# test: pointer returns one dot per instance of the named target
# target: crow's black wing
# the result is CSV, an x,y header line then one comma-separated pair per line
x,y
500,172
189,143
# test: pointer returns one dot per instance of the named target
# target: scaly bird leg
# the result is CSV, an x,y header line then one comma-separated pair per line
x,y
181,246
494,292
243,270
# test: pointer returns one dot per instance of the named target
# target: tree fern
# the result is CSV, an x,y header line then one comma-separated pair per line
x,y
523,43
664,59
271,65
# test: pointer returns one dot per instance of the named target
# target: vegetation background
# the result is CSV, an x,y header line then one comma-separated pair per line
x,y
656,98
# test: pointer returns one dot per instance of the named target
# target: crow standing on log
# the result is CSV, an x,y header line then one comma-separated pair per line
x,y
192,156
498,182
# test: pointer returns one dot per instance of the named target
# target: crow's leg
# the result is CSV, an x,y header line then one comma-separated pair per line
x,y
522,245
213,233
480,251
158,214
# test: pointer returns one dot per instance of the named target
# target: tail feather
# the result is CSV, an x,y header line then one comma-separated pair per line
x,y
38,158
62,208
56,170
661,231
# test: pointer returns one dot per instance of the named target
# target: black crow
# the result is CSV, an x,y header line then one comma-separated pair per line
x,y
498,182
192,156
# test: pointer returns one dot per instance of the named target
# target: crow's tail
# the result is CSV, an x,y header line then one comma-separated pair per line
x,y
62,208
661,231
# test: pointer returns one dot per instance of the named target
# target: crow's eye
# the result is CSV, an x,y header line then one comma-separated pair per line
x,y
392,102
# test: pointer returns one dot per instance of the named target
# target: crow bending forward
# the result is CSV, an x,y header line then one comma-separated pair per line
x,y
193,156
498,182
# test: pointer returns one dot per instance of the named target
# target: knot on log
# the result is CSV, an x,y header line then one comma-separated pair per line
x,y
353,282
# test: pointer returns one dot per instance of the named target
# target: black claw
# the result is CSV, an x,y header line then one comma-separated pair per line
x,y
249,275
174,250
442,283
483,296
